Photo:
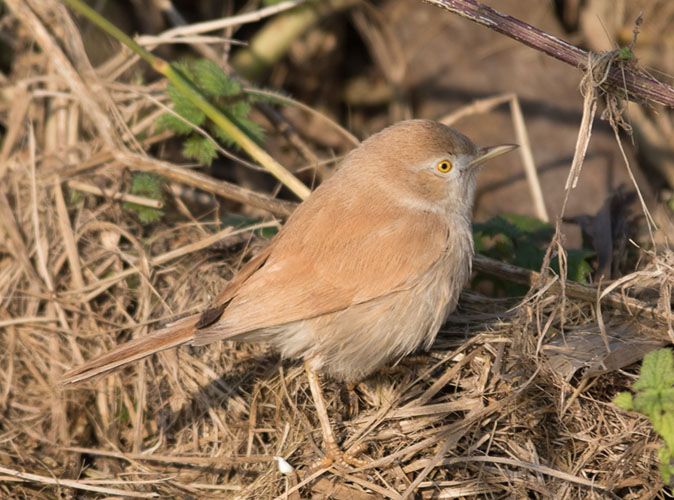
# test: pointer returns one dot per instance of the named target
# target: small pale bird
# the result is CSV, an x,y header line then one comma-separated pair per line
x,y
365,271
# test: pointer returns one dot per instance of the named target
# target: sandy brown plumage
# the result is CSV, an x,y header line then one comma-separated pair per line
x,y
363,272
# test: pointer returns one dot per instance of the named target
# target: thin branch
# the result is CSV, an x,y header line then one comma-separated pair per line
x,y
573,289
621,77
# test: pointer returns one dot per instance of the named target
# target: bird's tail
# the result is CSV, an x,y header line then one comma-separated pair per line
x,y
177,333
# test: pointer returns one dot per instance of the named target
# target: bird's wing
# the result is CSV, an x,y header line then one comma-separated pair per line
x,y
320,264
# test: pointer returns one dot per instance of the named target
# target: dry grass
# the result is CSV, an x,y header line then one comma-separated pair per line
x,y
497,409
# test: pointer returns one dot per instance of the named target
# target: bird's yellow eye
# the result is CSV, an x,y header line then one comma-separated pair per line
x,y
444,166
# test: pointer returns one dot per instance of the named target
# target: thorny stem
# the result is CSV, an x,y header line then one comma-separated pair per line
x,y
621,78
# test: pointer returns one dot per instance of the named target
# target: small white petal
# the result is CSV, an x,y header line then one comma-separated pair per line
x,y
283,466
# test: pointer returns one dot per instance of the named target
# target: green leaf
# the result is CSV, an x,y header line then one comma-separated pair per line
x,y
528,224
238,109
184,67
184,107
624,401
146,215
169,121
479,244
528,256
578,268
225,94
657,370
625,53
496,226
666,468
200,149
666,428
150,186
655,399
210,77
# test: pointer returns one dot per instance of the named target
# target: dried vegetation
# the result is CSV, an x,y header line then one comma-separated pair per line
x,y
513,401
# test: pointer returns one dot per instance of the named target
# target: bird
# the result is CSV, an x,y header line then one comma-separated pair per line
x,y
363,272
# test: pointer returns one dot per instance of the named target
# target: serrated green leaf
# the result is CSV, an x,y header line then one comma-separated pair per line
x,y
535,230
498,225
239,109
625,53
648,402
184,67
624,401
148,185
528,256
210,77
657,370
169,121
655,399
666,468
667,397
666,428
200,149
184,107
479,244
146,215
578,268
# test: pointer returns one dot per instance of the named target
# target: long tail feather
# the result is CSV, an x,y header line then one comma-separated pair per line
x,y
177,333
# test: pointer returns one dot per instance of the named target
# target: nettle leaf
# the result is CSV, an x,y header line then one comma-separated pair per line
x,y
224,93
479,243
200,148
210,77
150,186
666,429
657,371
169,121
523,240
655,399
533,230
239,109
624,401
498,226
578,268
648,402
666,469
528,256
184,107
185,68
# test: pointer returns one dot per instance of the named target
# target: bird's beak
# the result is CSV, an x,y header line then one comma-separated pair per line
x,y
485,154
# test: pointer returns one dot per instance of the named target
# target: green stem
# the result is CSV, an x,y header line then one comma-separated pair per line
x,y
193,94
111,29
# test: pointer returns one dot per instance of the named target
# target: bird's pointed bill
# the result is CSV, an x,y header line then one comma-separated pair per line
x,y
487,153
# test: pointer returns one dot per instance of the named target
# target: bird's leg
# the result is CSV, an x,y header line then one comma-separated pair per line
x,y
333,453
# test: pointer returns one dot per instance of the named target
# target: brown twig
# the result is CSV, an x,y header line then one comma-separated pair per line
x,y
621,78
207,183
571,289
